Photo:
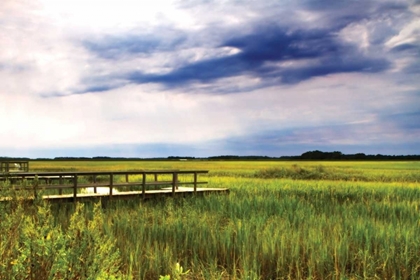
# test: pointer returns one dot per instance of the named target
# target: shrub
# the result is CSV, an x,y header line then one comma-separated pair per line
x,y
32,246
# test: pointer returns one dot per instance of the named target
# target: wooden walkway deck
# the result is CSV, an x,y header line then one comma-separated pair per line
x,y
87,186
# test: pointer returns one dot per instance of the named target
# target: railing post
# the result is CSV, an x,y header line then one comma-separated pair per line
x,y
75,187
126,178
143,186
174,182
60,190
156,177
94,181
35,186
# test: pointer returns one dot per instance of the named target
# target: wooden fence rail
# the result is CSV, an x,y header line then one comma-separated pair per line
x,y
82,180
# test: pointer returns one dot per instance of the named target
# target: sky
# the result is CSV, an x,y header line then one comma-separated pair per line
x,y
125,78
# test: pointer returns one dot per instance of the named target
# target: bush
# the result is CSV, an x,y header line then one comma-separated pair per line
x,y
32,246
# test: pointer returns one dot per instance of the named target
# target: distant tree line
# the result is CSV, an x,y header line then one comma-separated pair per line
x,y
318,155
311,155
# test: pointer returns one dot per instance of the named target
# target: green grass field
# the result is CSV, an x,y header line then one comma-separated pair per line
x,y
281,220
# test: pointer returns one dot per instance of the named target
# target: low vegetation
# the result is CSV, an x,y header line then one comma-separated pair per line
x,y
34,246
281,221
322,172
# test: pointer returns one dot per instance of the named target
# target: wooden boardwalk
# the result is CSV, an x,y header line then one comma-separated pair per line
x,y
181,191
85,186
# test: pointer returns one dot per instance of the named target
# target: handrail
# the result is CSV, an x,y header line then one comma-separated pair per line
x,y
83,173
74,176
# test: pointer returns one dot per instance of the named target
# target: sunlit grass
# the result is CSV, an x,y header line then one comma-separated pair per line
x,y
375,171
275,228
278,229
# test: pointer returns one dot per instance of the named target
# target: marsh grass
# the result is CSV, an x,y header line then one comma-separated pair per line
x,y
369,171
325,172
268,227
275,230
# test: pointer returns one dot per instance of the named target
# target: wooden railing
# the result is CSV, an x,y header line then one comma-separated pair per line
x,y
14,166
81,180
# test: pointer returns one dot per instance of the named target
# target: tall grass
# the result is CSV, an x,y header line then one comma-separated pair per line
x,y
300,231
267,228
274,230
323,172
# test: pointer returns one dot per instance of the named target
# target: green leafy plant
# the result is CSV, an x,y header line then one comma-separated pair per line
x,y
178,273
33,246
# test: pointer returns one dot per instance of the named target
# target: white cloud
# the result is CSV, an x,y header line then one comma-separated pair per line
x,y
41,58
409,34
109,16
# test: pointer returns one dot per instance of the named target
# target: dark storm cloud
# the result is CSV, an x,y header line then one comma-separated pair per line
x,y
335,64
276,49
97,89
273,43
100,87
268,44
406,47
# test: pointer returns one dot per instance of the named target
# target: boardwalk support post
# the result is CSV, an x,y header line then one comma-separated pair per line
x,y
111,184
35,187
75,187
195,182
143,186
174,182
94,181
60,190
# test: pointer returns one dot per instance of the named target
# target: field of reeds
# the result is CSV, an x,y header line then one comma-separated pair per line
x,y
281,220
